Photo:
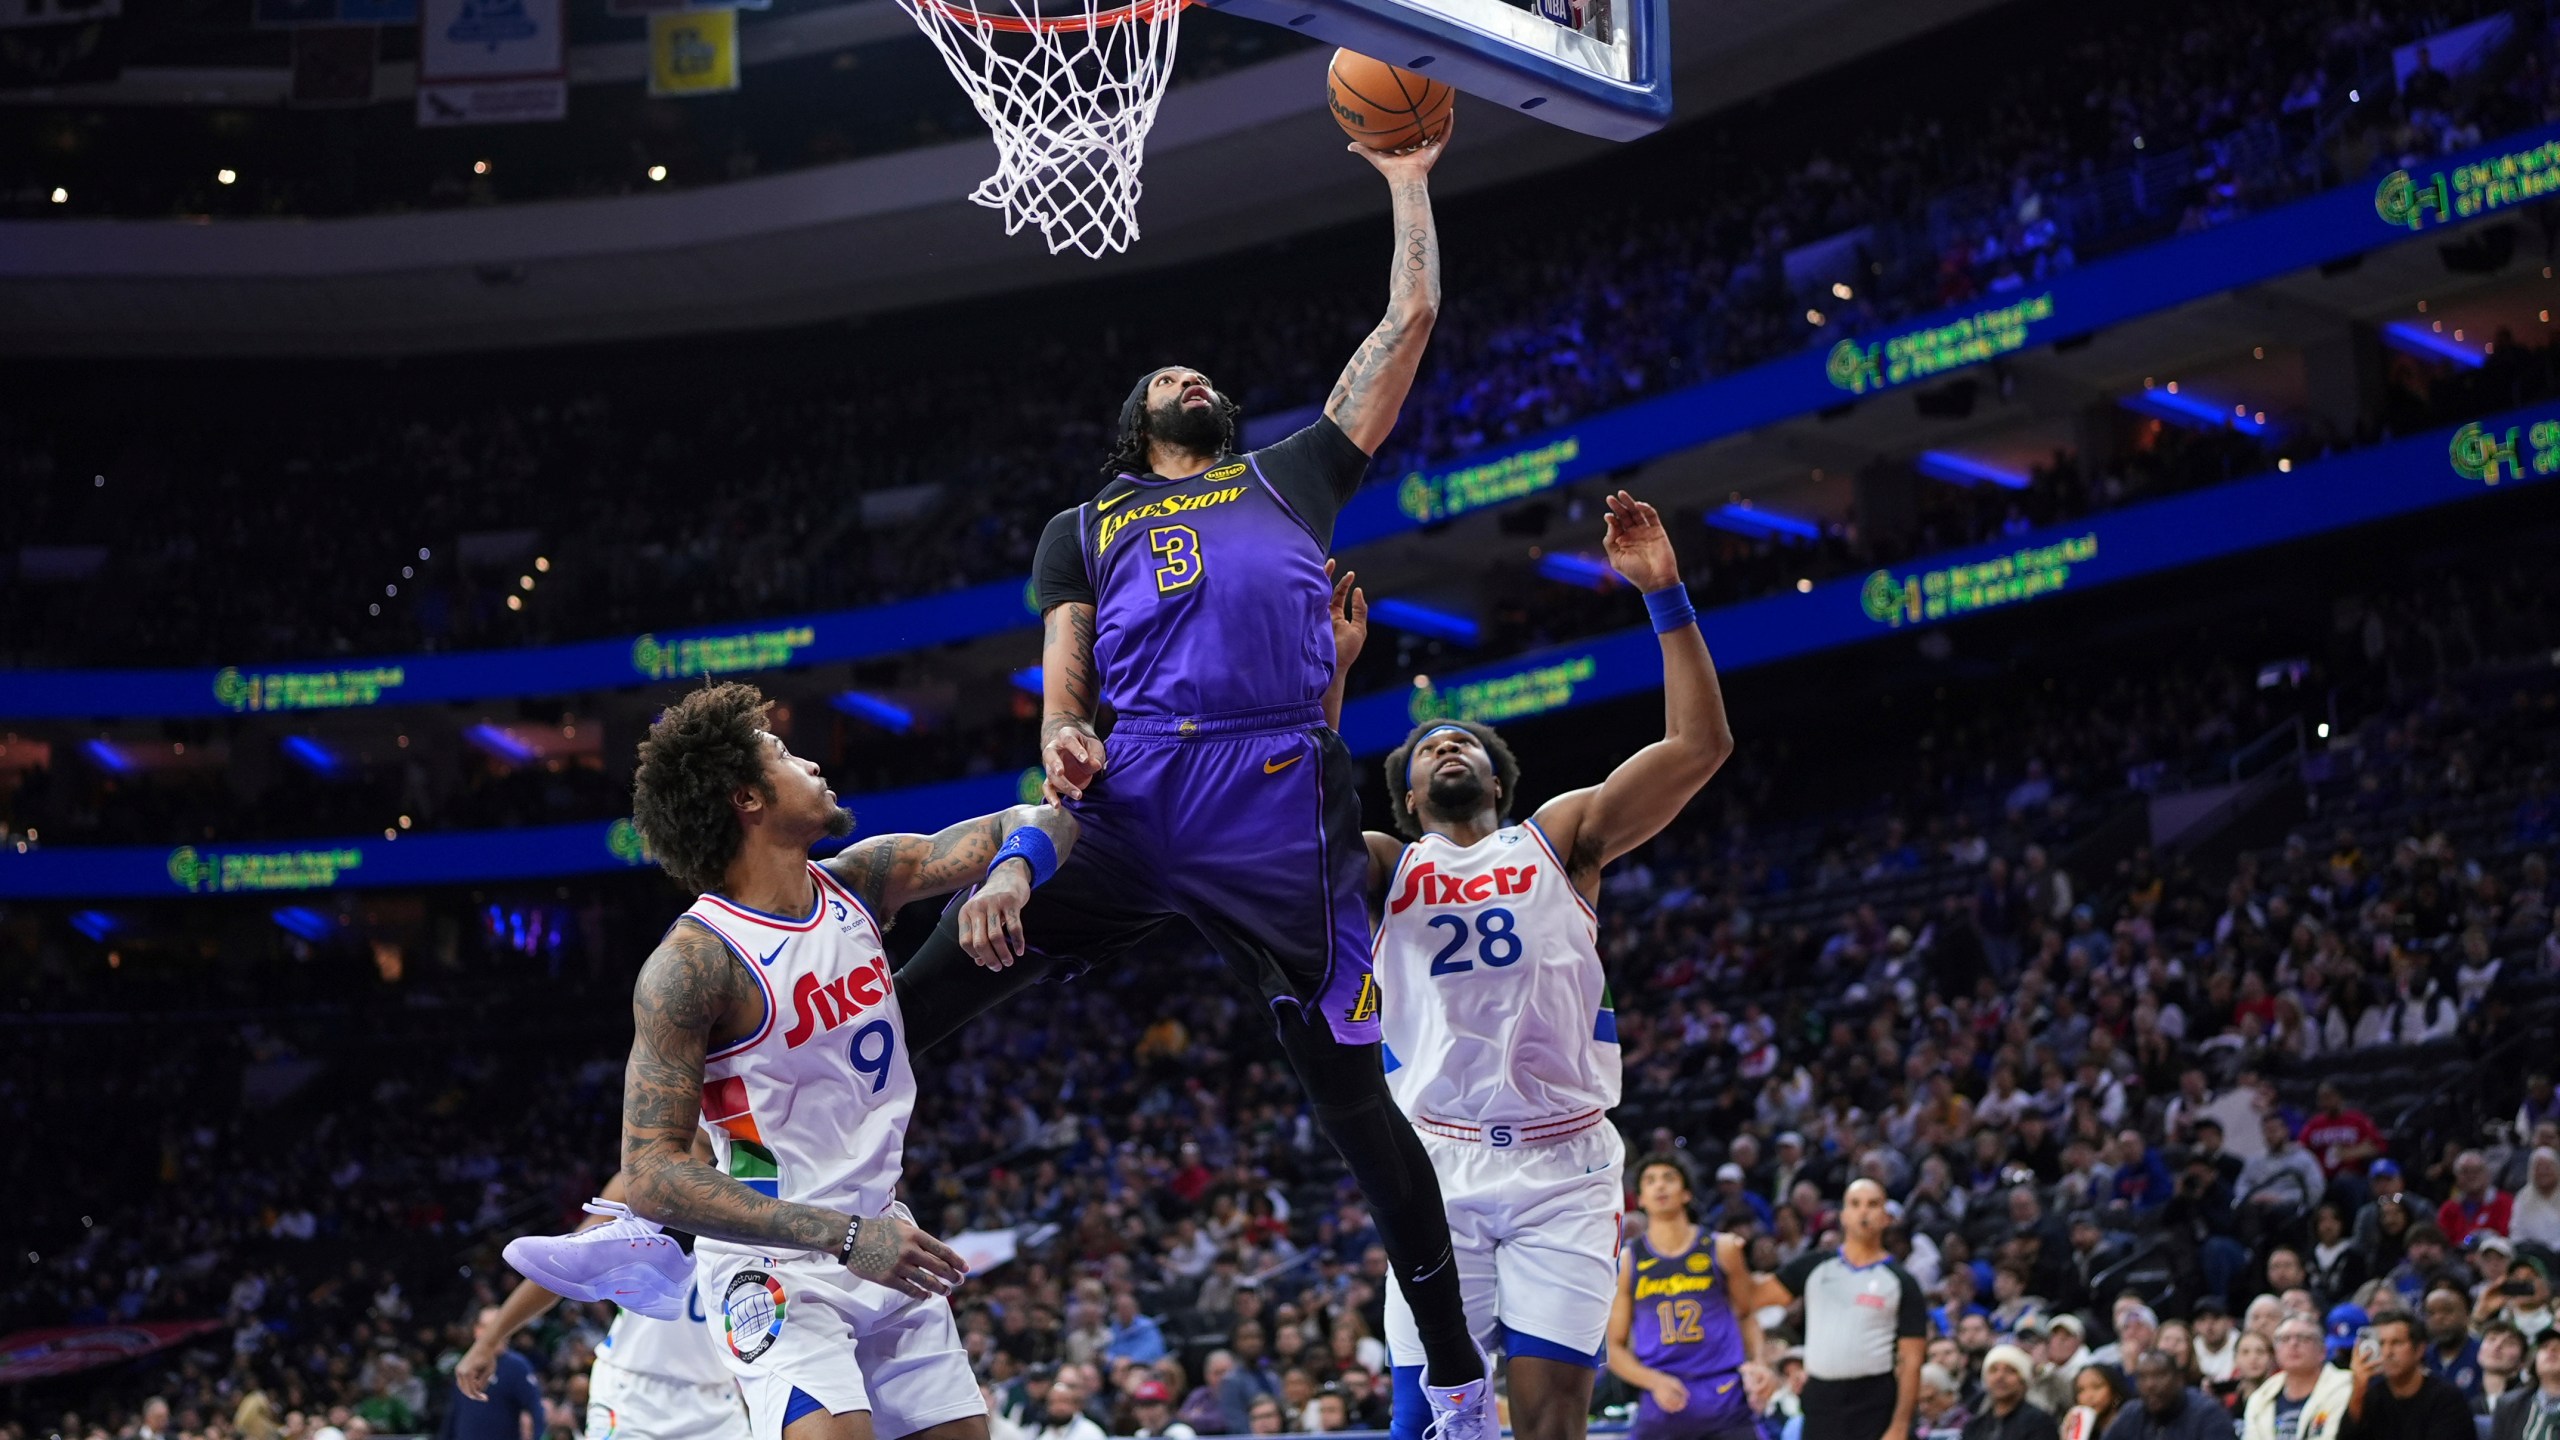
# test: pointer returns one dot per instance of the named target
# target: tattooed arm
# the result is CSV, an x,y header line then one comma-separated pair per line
x,y
887,871
1070,696
689,990
1373,386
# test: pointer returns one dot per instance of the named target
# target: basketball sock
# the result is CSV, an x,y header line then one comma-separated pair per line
x,y
1347,1087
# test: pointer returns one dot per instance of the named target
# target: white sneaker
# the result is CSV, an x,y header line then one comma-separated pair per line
x,y
632,1262
1463,1412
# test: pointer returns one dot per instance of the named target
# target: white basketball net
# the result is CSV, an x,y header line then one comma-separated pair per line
x,y
1069,94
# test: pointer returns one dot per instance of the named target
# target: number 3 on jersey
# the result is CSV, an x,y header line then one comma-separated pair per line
x,y
1178,546
1496,945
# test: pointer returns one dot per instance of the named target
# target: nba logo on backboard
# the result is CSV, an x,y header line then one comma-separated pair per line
x,y
1567,13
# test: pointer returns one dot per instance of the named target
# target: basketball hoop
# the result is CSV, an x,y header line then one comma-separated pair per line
x,y
1069,88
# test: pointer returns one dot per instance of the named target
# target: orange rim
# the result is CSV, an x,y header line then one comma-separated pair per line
x,y
1014,24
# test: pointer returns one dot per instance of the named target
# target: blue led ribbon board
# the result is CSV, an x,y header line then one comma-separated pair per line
x,y
1611,77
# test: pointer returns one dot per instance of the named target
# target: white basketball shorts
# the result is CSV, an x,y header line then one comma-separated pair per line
x,y
1535,1231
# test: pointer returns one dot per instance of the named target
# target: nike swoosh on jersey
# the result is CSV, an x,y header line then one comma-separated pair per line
x,y
777,954
1268,768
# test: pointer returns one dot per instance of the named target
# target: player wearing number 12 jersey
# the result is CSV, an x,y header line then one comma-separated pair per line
x,y
1500,1040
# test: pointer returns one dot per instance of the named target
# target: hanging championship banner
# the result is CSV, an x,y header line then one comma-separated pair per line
x,y
492,62
693,53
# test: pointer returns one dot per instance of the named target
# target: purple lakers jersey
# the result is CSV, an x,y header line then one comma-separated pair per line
x,y
1685,1327
1209,590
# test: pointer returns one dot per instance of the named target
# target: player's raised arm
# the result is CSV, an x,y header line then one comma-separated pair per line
x,y
1350,612
1011,852
1597,825
1372,388
690,987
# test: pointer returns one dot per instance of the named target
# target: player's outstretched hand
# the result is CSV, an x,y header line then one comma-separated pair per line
x,y
1072,755
1639,545
1350,616
891,1251
991,920
478,1365
1414,161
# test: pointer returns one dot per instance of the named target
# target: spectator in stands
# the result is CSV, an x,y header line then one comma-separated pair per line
x,y
2280,1186
1133,1336
1151,1406
2168,1409
2476,1204
2452,1354
1940,1403
2535,1214
2306,1399
2253,1359
1203,1409
2502,1362
1250,1378
2389,1191
2005,1413
2395,1397
2064,1358
2344,1140
2533,1410
2137,1325
1734,1207
2102,1391
1062,1415
2217,1340
2336,1264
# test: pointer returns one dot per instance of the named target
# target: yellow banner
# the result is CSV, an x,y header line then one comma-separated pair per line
x,y
693,53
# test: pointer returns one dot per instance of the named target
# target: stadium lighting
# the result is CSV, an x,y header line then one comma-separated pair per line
x,y
500,743
2189,411
1815,317
515,602
225,176
304,923
2355,97
1840,290
657,173
96,924
542,564
109,758
2410,339
313,756
1751,524
1569,569
524,581
2322,730
61,196
879,710
479,167
1803,586
1961,470
1423,620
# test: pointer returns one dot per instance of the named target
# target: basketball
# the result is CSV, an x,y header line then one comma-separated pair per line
x,y
1383,107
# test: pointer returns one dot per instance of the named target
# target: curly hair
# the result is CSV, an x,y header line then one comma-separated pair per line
x,y
1506,771
705,748
1129,446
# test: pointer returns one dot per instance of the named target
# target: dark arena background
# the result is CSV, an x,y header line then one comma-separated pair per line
x,y
2110,449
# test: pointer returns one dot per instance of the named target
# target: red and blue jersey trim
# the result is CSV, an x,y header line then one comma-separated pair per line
x,y
828,881
1562,873
817,908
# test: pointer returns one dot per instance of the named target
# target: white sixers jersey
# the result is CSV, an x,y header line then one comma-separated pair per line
x,y
1495,1008
668,1349
813,1106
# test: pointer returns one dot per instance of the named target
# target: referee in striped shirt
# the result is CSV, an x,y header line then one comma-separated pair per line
x,y
1866,1324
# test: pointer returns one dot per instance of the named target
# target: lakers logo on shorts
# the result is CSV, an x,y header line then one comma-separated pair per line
x,y
751,1314
1364,1007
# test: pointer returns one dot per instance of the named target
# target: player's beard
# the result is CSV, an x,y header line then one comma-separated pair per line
x,y
1456,797
1201,431
839,822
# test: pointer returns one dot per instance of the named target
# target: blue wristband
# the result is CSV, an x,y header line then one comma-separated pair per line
x,y
1670,608
1033,847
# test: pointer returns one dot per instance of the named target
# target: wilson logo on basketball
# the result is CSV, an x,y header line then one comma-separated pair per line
x,y
1425,883
819,1005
